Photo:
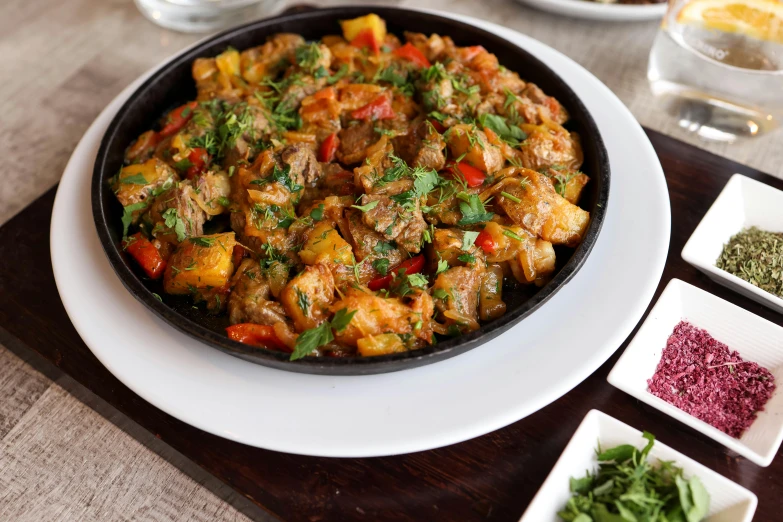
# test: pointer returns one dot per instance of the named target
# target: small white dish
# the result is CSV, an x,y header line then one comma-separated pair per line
x,y
729,502
608,12
755,339
743,203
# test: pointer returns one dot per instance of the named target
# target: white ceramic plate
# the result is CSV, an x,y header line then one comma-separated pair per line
x,y
597,11
756,340
521,371
729,502
743,203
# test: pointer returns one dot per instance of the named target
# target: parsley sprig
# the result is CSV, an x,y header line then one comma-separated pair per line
x,y
321,335
627,487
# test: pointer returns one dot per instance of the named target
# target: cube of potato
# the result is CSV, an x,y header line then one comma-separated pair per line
x,y
200,263
228,62
380,345
352,28
135,182
307,297
325,245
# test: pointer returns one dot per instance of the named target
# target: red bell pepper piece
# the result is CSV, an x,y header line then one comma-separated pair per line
x,y
485,241
198,159
411,53
177,118
438,126
259,335
148,140
473,177
328,148
366,38
411,266
378,109
146,255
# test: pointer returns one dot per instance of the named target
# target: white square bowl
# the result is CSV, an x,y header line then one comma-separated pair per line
x,y
743,203
755,339
729,502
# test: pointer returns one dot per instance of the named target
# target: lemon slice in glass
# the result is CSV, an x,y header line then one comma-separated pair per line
x,y
761,19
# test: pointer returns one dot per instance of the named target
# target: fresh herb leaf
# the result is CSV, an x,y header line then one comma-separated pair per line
x,y
512,235
136,179
382,247
440,293
467,258
318,212
341,319
303,302
469,239
336,77
202,241
381,266
511,197
308,55
511,134
309,340
443,265
368,207
172,220
472,209
127,215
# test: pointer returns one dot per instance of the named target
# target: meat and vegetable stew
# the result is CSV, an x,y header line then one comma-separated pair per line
x,y
353,196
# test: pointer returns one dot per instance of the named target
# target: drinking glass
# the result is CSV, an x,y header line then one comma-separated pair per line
x,y
198,16
718,65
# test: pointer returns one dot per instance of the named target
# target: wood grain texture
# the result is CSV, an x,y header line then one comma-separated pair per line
x,y
489,478
64,461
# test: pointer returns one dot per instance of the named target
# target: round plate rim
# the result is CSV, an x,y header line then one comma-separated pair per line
x,y
206,407
592,10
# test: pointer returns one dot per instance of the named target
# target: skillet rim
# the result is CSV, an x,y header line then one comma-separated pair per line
x,y
349,365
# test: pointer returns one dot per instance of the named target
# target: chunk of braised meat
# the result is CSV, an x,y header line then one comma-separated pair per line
x,y
423,146
458,291
305,169
307,297
268,60
369,245
555,110
395,221
380,172
545,146
354,141
175,215
249,301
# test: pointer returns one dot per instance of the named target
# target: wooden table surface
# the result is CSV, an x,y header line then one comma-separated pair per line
x,y
67,454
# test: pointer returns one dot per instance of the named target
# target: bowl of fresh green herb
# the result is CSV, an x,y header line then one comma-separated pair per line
x,y
610,472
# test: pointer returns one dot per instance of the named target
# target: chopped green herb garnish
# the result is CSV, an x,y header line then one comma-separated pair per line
x,y
472,209
381,266
368,207
136,179
202,241
627,487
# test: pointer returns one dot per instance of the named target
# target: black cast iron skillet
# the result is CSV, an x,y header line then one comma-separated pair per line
x,y
172,85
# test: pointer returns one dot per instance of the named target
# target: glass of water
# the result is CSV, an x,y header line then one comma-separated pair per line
x,y
200,16
718,64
